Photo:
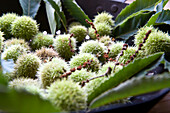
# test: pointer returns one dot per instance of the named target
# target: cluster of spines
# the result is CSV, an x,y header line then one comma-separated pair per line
x,y
125,46
91,23
85,64
52,47
106,56
139,48
72,50
108,72
45,53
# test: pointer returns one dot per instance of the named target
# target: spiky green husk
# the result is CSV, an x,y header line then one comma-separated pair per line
x,y
104,17
79,32
157,42
61,45
104,68
81,75
141,34
27,84
84,57
5,24
74,24
46,53
67,95
13,52
1,40
24,27
26,66
127,53
106,40
51,71
15,41
94,84
94,47
102,29
41,40
115,49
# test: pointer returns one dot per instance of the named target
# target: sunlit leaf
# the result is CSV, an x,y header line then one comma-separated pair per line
x,y
51,18
124,74
133,87
138,5
59,14
153,19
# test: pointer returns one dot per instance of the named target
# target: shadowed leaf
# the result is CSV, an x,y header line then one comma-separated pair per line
x,y
30,7
75,11
131,25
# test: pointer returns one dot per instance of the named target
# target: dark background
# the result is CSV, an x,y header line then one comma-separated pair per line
x,y
90,7
14,6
